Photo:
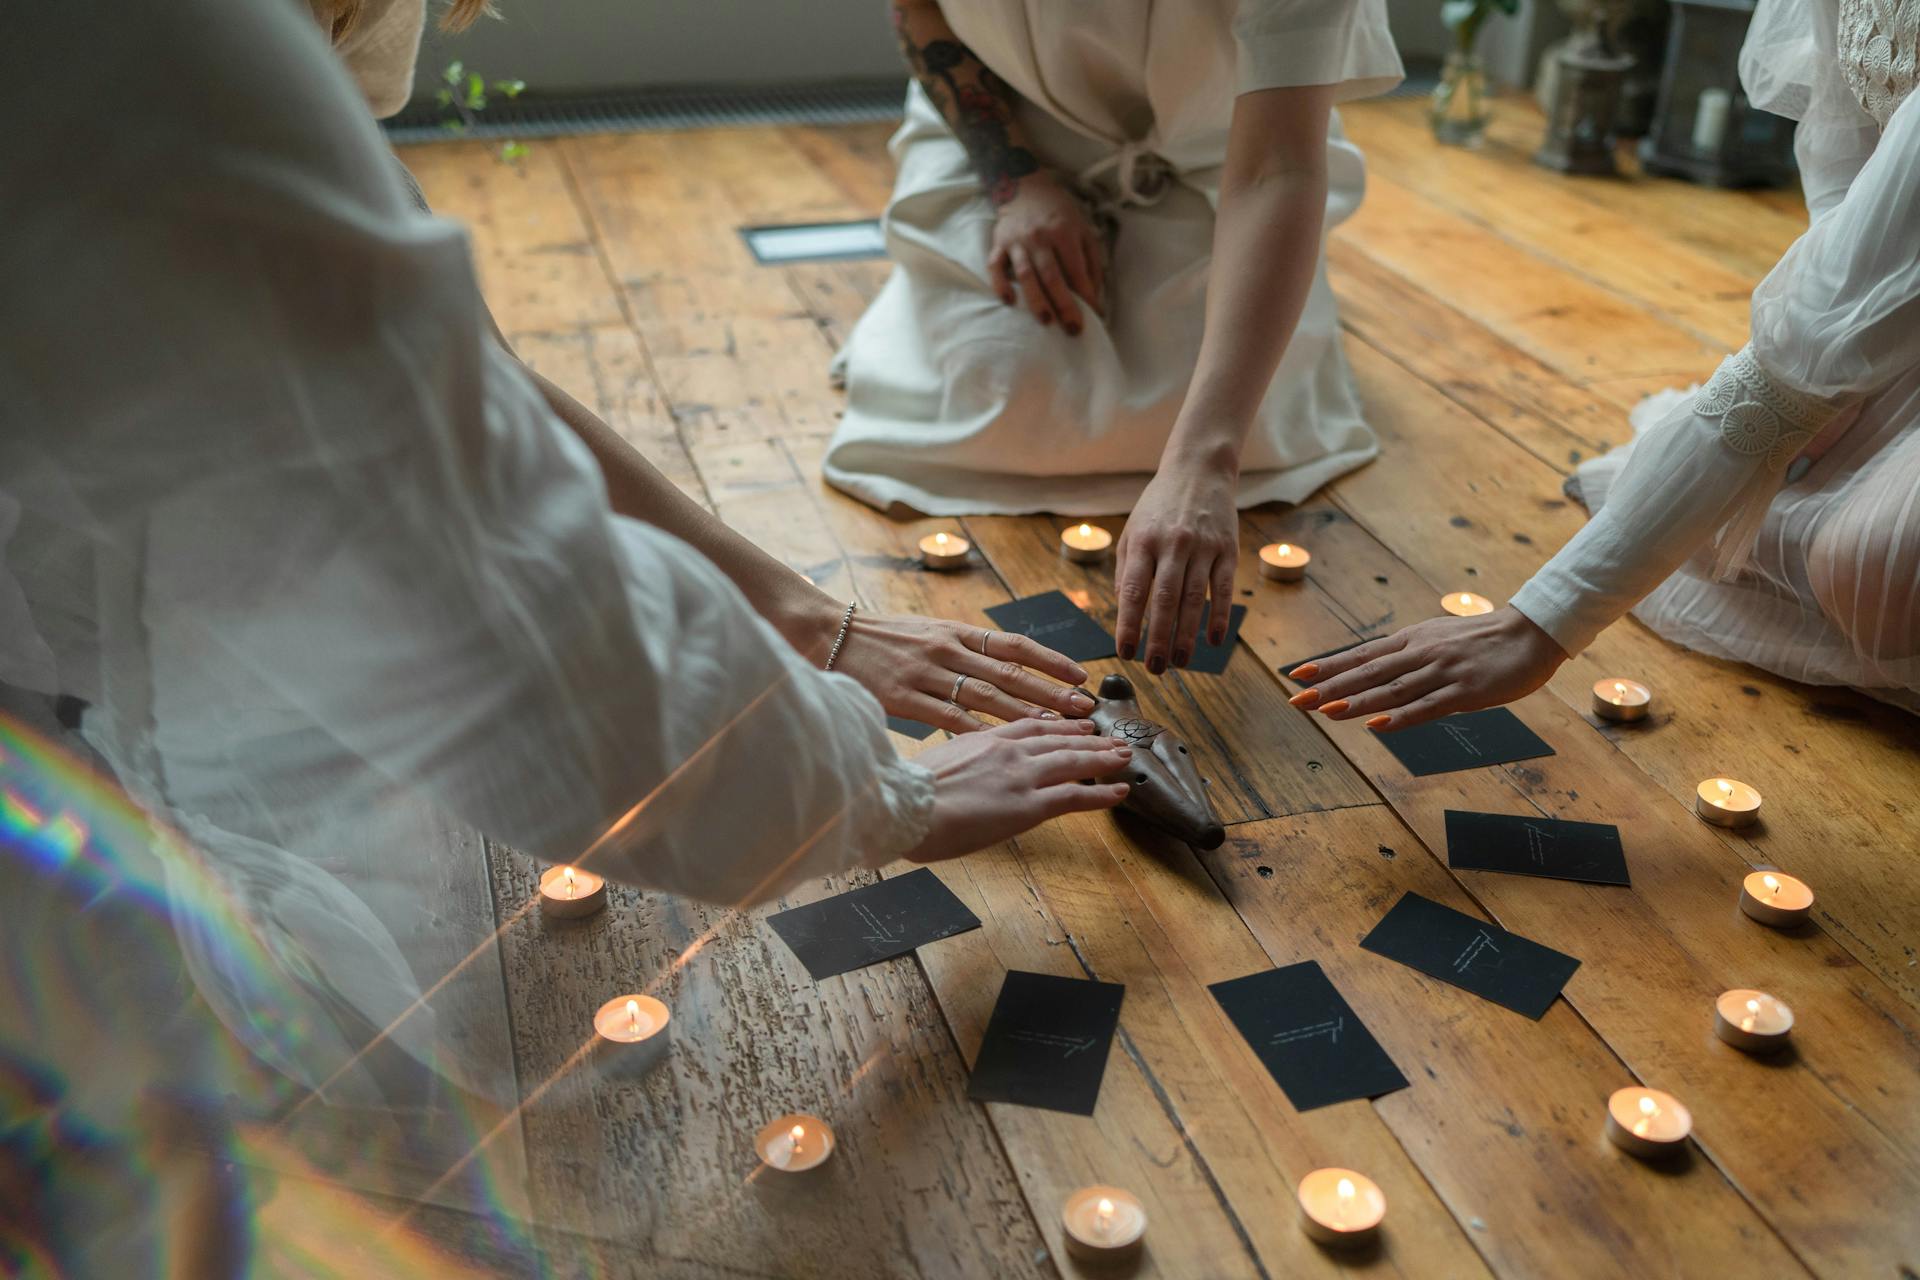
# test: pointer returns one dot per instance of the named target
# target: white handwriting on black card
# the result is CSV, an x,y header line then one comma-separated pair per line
x,y
1331,1030
880,932
1482,941
1047,1039
1462,737
1537,842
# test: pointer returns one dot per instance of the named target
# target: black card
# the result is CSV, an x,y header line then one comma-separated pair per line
x,y
1472,955
873,923
1470,740
1057,623
1530,846
1311,1041
911,728
1211,659
1046,1044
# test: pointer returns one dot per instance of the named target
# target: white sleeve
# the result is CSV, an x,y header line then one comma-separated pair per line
x,y
1836,319
1344,43
260,390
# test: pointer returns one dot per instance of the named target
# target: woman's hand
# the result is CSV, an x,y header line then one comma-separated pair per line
x,y
1432,669
1043,240
1180,542
936,672
992,786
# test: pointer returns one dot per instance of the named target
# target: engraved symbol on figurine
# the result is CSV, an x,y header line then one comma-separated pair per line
x,y
1330,1029
1165,788
1462,737
1050,1040
878,931
1482,941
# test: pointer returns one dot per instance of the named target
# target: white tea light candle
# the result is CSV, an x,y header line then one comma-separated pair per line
x,y
567,893
1103,1223
1465,604
1776,899
1647,1123
629,1035
1085,543
944,551
1726,802
1340,1207
1284,562
1752,1021
794,1143
1620,700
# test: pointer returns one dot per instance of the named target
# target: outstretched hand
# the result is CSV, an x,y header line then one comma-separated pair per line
x,y
1432,669
991,786
1181,542
940,672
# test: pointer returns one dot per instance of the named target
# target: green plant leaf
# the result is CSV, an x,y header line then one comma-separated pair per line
x,y
444,97
514,88
512,151
453,73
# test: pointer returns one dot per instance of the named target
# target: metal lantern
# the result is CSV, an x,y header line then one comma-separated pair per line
x,y
1587,81
1704,128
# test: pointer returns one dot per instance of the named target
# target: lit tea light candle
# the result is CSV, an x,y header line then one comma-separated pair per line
x,y
1776,899
1284,562
1465,604
1340,1207
569,892
1620,699
944,550
1647,1123
1103,1223
794,1143
628,1034
1752,1020
1085,543
1726,803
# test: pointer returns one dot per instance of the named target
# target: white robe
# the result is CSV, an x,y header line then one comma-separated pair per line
x,y
274,504
958,404
1815,577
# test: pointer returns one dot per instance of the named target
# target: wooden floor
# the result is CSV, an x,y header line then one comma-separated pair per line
x,y
1501,320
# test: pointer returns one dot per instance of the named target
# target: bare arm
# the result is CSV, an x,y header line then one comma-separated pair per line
x,y
978,104
1182,538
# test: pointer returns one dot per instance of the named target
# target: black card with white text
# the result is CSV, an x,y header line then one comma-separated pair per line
x,y
1046,1044
1308,1036
1525,845
1470,740
1471,954
873,923
1057,623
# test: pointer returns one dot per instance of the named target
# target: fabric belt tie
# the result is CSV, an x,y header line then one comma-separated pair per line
x,y
1139,176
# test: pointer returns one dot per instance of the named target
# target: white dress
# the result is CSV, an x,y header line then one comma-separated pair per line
x,y
277,507
1727,542
958,404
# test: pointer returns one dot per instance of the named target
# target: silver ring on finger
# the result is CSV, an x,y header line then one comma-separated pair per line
x,y
959,682
983,644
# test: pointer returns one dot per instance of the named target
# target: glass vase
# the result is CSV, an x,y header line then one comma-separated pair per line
x,y
1459,108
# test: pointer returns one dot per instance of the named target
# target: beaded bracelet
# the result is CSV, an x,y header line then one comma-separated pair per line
x,y
846,621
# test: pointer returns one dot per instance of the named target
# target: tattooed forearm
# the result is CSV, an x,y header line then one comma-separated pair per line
x,y
978,104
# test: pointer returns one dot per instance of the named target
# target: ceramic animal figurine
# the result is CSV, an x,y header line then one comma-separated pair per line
x,y
1167,790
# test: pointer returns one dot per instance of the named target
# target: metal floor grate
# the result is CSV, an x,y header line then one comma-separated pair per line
x,y
534,117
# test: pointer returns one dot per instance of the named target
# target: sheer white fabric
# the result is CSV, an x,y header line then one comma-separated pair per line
x,y
957,404
272,502
1817,578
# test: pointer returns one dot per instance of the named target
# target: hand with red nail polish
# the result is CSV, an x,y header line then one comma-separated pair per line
x,y
1174,564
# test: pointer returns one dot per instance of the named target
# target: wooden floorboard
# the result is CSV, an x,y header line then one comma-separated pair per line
x,y
1501,321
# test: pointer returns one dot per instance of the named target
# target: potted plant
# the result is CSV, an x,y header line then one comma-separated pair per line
x,y
1459,110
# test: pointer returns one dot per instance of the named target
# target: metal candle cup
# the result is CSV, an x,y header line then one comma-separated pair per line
x,y
794,1143
1647,1123
944,551
1620,700
1726,802
1776,899
1284,562
1340,1207
1085,543
1103,1224
1752,1021
567,893
1465,604
630,1035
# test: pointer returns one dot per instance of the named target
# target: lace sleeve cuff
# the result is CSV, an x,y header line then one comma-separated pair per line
x,y
1758,415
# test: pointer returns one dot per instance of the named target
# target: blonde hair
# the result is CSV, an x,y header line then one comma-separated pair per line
x,y
337,17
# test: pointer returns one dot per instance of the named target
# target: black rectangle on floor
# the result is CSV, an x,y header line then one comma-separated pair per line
x,y
1211,659
1525,845
873,923
1471,954
1308,1036
1470,740
1046,1044
1057,623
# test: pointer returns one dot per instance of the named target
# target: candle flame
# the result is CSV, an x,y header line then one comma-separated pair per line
x,y
1726,788
1345,1189
1619,692
1285,550
633,1018
1648,1110
797,1134
1773,886
1465,598
1648,1107
1753,1006
1086,531
568,874
940,538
